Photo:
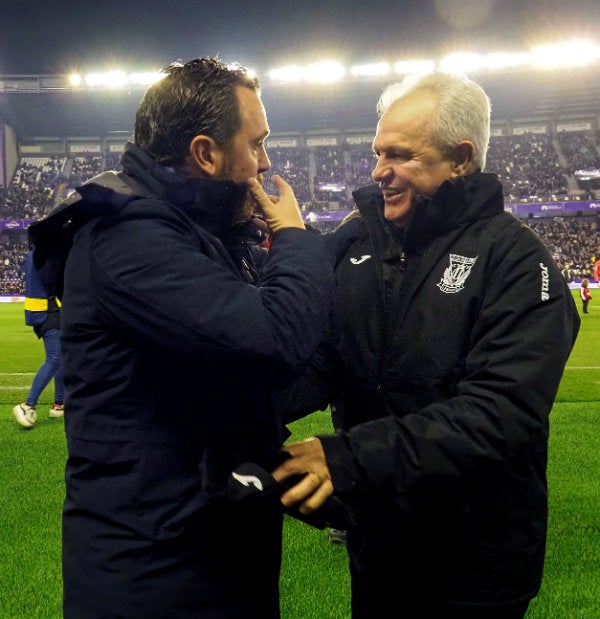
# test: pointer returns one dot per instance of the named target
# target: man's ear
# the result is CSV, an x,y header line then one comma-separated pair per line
x,y
206,156
463,158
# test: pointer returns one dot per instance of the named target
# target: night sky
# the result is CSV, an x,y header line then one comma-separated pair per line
x,y
44,37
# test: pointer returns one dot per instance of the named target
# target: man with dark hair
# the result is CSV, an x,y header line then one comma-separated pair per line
x,y
170,351
451,329
175,110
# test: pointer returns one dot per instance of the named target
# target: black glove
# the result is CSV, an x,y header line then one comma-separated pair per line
x,y
249,481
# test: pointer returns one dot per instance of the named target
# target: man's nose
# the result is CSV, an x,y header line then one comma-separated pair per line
x,y
264,163
381,172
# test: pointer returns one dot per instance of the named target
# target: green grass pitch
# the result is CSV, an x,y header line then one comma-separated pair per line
x,y
314,579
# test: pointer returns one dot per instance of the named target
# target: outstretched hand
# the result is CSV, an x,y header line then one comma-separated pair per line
x,y
315,487
279,211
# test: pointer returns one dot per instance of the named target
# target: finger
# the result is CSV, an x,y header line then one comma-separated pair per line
x,y
317,498
304,489
283,187
278,181
311,493
286,469
296,465
258,193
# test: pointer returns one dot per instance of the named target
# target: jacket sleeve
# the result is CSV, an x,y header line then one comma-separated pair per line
x,y
320,385
515,355
155,284
313,390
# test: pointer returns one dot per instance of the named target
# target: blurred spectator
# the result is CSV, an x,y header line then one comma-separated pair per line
x,y
584,293
13,249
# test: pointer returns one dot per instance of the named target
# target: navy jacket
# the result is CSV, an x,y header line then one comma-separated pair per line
x,y
42,310
168,357
447,347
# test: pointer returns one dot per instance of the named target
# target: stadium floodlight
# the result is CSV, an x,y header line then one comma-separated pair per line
x,y
568,54
145,78
573,53
110,79
287,74
234,66
325,72
506,60
376,69
462,62
414,66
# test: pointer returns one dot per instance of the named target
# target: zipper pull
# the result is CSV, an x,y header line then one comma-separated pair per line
x,y
403,262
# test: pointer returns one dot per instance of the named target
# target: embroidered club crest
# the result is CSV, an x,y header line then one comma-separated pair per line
x,y
455,275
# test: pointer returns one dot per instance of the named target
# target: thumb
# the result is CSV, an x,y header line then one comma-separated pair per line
x,y
279,211
261,197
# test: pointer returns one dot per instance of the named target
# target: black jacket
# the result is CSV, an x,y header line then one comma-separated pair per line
x,y
447,348
168,357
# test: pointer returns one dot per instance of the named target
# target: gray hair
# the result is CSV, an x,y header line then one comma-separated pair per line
x,y
463,110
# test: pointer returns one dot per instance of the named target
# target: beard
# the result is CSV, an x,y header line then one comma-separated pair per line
x,y
244,211
247,208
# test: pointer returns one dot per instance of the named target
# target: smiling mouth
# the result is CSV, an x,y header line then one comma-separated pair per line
x,y
393,196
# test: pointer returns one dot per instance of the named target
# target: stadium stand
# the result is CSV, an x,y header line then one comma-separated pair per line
x,y
320,145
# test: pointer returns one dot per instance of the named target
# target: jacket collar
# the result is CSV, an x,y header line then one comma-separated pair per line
x,y
209,202
457,201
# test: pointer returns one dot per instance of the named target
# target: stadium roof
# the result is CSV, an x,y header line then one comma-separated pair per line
x,y
528,95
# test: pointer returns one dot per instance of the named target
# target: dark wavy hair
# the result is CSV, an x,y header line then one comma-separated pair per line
x,y
193,98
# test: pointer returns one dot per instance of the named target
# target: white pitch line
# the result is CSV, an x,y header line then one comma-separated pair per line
x,y
586,367
17,373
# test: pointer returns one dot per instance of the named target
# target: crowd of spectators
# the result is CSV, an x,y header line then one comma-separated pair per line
x,y
293,165
580,150
13,249
84,168
573,241
532,167
528,167
33,189
113,161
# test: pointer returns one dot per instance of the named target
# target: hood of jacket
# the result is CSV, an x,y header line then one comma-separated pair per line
x,y
208,202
